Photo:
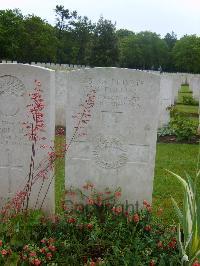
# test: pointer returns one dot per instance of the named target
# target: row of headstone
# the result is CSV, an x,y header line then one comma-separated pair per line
x,y
118,149
51,65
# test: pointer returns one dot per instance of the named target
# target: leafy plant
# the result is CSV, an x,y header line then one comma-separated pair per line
x,y
189,100
183,127
102,231
165,131
189,220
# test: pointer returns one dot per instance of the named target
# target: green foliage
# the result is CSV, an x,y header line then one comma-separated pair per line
x,y
99,232
170,39
104,44
189,220
183,127
186,53
165,131
143,50
11,27
76,40
188,100
39,38
176,158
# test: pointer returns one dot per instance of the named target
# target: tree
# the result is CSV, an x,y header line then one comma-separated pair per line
x,y
39,41
11,27
64,20
82,33
170,39
121,33
104,47
186,54
130,52
145,50
154,50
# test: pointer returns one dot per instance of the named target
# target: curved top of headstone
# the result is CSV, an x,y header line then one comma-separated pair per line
x,y
24,66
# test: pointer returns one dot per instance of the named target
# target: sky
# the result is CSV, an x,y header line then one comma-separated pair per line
x,y
160,16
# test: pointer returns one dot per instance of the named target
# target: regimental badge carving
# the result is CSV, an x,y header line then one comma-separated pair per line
x,y
11,88
109,152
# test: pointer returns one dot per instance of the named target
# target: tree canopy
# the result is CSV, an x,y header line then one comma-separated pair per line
x,y
76,39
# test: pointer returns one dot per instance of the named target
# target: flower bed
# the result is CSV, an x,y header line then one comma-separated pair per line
x,y
96,231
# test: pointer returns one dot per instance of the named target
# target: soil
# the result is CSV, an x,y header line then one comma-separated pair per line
x,y
172,139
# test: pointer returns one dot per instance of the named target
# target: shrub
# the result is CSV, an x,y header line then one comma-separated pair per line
x,y
183,127
189,100
165,131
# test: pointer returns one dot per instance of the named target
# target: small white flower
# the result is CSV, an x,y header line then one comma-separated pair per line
x,y
185,258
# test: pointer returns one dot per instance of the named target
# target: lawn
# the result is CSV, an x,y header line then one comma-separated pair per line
x,y
175,157
178,158
190,109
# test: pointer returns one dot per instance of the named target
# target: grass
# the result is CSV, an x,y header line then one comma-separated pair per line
x,y
178,158
185,89
190,109
60,175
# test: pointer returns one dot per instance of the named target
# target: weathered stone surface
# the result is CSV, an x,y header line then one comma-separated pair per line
x,y
166,99
16,82
195,86
119,147
177,81
61,92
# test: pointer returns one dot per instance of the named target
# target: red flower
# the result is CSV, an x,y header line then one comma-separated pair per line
x,y
145,203
89,226
136,218
92,263
36,262
71,220
196,263
160,244
25,247
118,194
52,248
43,250
126,214
4,252
149,208
24,257
117,210
90,201
32,254
49,255
152,263
147,228
1,243
51,240
172,243
43,241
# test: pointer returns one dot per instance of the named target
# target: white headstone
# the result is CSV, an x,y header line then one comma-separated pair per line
x,y
195,87
16,82
177,81
61,90
166,100
120,143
